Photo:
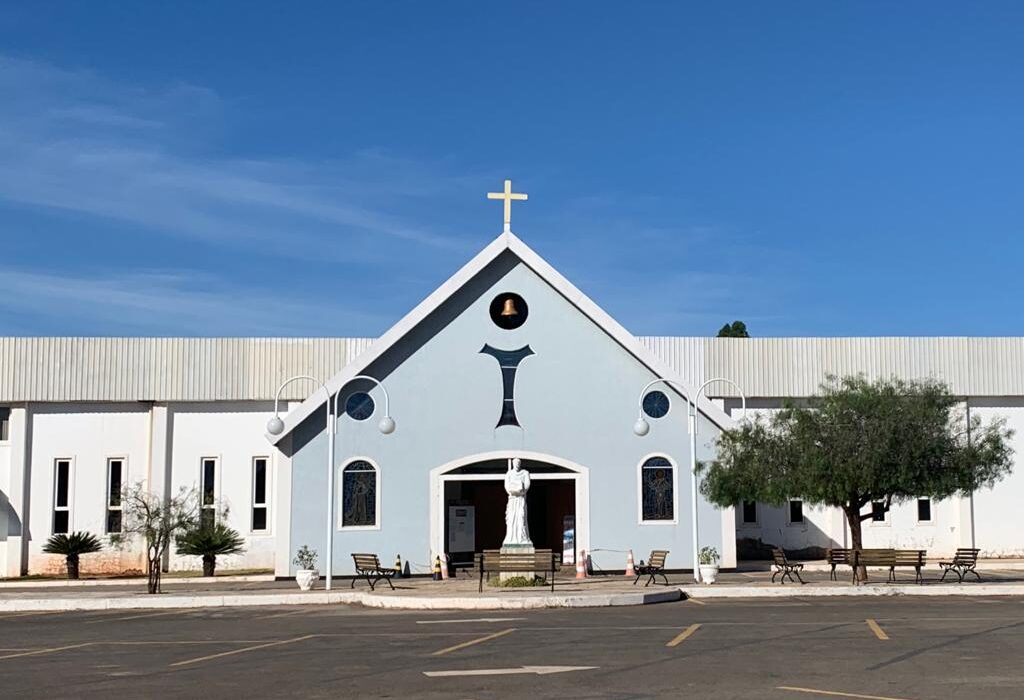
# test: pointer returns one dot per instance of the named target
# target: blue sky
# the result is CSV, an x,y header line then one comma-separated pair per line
x,y
262,169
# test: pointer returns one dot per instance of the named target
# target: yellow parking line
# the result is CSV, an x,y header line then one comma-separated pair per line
x,y
46,651
694,600
30,614
683,636
138,617
242,651
836,693
480,640
879,632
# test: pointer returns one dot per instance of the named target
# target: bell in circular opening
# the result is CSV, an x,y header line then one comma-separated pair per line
x,y
509,311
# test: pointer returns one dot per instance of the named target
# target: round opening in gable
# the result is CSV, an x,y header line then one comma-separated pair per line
x,y
509,311
359,406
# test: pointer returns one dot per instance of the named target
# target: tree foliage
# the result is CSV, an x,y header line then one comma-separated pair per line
x,y
858,443
736,329
157,521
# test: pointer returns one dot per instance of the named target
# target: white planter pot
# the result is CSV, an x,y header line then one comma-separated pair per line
x,y
708,573
306,578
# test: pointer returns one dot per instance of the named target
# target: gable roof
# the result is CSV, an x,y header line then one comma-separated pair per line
x,y
507,241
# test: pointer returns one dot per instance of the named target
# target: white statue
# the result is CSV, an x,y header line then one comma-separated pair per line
x,y
517,483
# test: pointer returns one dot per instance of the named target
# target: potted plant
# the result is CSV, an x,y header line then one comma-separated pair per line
x,y
72,546
307,574
208,542
707,558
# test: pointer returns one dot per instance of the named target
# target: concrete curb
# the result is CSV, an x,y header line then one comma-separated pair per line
x,y
798,591
370,600
497,602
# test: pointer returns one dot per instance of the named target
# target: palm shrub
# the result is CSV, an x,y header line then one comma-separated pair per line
x,y
209,541
72,546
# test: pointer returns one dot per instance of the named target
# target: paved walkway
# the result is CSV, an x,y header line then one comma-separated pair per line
x,y
461,592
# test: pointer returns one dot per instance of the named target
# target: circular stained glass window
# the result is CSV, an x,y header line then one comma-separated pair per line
x,y
359,406
509,311
656,404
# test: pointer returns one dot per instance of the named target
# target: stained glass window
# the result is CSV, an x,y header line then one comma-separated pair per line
x,y
359,495
657,482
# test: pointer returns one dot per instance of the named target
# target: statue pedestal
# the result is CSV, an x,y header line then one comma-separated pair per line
x,y
517,549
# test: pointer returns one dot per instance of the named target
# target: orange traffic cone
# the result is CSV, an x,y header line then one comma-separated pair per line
x,y
444,568
630,570
581,567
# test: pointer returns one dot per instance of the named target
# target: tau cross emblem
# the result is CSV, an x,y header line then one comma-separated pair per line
x,y
509,361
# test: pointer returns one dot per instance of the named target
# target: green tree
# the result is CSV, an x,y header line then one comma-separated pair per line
x,y
736,329
72,547
859,443
209,542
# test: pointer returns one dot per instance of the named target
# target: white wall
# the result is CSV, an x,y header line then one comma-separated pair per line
x,y
5,505
998,528
233,433
88,436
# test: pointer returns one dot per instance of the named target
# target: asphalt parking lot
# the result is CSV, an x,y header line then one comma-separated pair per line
x,y
889,648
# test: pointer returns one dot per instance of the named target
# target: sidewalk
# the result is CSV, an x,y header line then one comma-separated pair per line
x,y
461,593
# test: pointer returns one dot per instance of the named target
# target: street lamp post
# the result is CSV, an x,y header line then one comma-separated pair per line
x,y
642,427
386,426
275,426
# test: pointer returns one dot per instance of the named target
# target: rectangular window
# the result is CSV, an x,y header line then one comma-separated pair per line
x,y
208,492
61,489
877,512
259,493
5,424
750,512
924,510
115,480
796,512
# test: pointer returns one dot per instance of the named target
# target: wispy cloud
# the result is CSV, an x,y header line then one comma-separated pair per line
x,y
167,303
73,141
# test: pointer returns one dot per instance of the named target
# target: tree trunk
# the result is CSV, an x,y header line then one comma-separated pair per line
x,y
72,562
153,578
209,564
856,537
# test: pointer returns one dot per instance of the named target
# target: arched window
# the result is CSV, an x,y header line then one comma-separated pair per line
x,y
657,491
360,495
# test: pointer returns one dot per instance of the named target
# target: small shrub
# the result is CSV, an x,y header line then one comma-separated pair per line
x,y
707,555
306,558
517,582
208,542
72,546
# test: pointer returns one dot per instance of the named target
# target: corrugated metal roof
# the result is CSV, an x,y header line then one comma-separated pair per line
x,y
212,369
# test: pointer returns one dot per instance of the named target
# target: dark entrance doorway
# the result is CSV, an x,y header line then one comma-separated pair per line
x,y
548,502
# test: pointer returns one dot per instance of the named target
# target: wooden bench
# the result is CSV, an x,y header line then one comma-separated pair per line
x,y
890,559
368,567
655,566
963,563
497,562
835,557
784,566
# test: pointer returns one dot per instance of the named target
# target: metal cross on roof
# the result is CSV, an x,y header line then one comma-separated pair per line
x,y
508,195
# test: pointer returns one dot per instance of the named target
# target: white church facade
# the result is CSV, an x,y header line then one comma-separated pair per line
x,y
506,360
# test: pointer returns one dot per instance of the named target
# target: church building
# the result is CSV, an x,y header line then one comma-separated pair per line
x,y
404,447
506,360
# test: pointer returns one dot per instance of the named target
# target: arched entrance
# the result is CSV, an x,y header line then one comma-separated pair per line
x,y
472,488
